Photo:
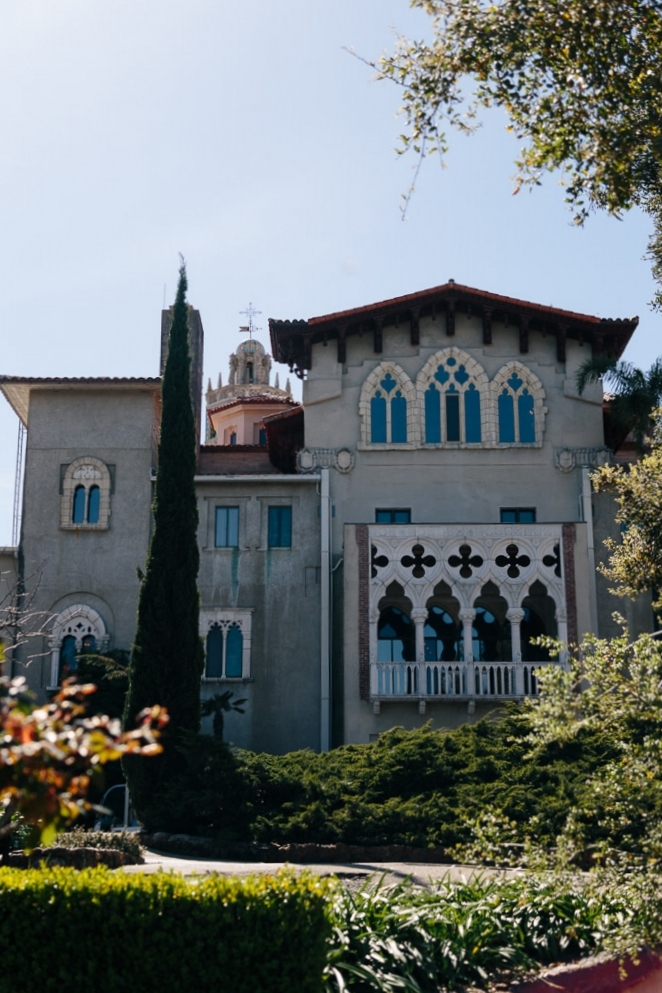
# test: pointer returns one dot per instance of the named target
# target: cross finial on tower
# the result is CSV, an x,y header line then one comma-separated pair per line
x,y
250,313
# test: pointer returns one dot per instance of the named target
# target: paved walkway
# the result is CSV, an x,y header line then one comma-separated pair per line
x,y
420,873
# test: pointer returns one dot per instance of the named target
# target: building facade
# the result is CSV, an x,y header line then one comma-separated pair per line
x,y
386,553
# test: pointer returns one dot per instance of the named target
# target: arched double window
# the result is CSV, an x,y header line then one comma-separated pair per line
x,y
451,383
86,486
227,639
387,407
86,505
519,396
76,630
225,649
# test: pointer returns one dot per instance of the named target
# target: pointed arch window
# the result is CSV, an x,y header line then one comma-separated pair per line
x,y
452,405
227,637
387,407
519,407
76,630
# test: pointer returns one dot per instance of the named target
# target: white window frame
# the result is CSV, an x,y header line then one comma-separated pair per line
x,y
78,621
225,618
87,471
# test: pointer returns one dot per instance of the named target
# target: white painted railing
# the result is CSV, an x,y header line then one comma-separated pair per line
x,y
438,680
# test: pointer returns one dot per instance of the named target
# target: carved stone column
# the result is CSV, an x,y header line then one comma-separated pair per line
x,y
419,616
516,615
467,617
562,629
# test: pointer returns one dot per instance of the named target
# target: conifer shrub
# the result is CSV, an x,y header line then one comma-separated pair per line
x,y
161,933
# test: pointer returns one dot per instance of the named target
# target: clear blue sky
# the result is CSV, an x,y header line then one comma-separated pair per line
x,y
243,135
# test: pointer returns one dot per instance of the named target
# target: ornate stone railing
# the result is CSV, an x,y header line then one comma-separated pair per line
x,y
453,680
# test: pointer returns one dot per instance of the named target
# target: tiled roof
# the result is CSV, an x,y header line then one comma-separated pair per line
x,y
292,341
235,460
259,398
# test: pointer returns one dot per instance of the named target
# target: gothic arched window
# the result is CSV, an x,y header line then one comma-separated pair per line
x,y
519,400
227,636
387,407
451,383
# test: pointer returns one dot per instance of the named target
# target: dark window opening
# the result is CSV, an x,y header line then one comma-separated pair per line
x,y
393,515
68,659
233,438
396,641
518,515
262,436
280,527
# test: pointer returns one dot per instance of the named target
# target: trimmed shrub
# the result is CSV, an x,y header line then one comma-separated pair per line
x,y
161,933
121,841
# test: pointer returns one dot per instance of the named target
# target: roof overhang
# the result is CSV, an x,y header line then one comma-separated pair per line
x,y
17,389
292,341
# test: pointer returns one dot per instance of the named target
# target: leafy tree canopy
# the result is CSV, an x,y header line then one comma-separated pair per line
x,y
635,563
637,393
580,80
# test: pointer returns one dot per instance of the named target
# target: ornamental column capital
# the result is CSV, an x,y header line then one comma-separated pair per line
x,y
419,615
467,614
515,615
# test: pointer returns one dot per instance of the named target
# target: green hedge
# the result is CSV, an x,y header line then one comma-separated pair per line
x,y
114,933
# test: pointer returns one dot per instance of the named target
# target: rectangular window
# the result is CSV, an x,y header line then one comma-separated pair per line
x,y
227,527
280,527
393,515
518,515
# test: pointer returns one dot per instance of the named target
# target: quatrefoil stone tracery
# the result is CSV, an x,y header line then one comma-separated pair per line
x,y
377,561
418,561
553,561
512,561
465,561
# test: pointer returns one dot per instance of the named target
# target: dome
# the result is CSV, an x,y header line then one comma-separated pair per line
x,y
250,347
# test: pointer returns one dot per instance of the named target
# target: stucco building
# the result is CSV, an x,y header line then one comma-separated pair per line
x,y
384,553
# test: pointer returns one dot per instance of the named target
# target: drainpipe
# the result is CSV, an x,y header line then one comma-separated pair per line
x,y
325,619
587,507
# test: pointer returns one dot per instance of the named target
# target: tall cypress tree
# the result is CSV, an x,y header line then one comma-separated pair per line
x,y
167,655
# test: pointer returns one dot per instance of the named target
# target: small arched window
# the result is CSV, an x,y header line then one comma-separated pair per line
x,y
234,645
233,438
80,499
214,660
520,411
85,501
227,643
68,660
93,505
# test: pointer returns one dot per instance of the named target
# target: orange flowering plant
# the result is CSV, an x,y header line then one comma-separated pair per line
x,y
50,753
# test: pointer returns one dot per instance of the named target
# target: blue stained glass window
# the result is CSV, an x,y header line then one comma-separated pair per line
x,y
214,664
280,527
461,376
388,383
79,505
227,527
398,419
506,419
441,375
262,436
515,382
526,416
472,415
234,645
93,504
378,419
432,416
452,417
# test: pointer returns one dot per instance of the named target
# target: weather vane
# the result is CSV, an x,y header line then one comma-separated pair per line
x,y
250,313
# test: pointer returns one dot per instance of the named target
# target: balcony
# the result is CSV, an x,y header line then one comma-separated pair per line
x,y
392,682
